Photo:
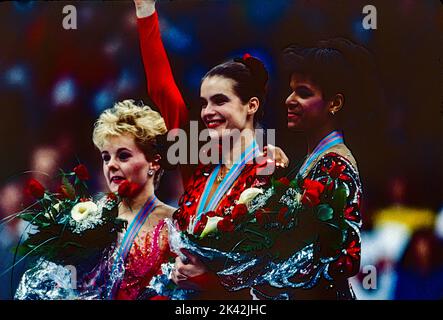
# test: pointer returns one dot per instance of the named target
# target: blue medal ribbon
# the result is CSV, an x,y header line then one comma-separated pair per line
x,y
250,153
332,139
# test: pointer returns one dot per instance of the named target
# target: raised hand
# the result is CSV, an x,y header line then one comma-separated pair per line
x,y
144,8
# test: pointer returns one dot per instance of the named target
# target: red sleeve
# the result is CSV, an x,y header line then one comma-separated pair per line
x,y
160,82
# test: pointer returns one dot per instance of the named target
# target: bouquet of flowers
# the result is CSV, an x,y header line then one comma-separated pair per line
x,y
268,235
69,226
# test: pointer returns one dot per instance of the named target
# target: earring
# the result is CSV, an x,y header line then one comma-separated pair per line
x,y
333,112
150,173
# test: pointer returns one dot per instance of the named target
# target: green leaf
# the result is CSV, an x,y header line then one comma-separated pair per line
x,y
339,199
27,216
69,188
294,184
334,236
325,212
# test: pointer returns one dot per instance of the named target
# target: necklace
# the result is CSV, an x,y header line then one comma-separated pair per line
x,y
221,175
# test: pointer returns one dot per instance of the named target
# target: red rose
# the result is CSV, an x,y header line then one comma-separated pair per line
x,y
128,189
111,196
201,224
210,214
285,181
82,172
281,217
225,225
240,212
181,218
312,193
310,198
262,216
35,189
314,185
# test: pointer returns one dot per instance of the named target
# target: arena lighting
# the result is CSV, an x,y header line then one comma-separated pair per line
x,y
126,81
16,75
362,35
176,39
24,5
64,92
265,12
103,99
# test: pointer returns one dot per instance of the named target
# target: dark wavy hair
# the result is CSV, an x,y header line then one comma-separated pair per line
x,y
250,76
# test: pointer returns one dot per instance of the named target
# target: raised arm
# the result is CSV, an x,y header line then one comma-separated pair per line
x,y
160,82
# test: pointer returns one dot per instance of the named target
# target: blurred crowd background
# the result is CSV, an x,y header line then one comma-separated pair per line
x,y
55,82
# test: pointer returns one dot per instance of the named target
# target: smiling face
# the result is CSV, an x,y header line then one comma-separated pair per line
x,y
221,108
307,109
123,159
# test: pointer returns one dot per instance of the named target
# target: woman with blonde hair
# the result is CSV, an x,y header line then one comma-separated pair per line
x,y
126,138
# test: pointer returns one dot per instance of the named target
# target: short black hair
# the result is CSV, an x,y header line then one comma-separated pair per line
x,y
336,66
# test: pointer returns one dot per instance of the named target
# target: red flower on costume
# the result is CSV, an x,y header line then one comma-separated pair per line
x,y
35,189
313,191
82,172
343,265
225,225
336,171
239,213
346,263
353,250
128,189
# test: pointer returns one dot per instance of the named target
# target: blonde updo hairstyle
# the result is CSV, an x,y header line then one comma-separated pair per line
x,y
140,121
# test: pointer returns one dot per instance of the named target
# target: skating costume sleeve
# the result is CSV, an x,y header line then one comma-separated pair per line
x,y
162,88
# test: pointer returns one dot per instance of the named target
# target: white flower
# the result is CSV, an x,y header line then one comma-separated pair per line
x,y
211,226
83,209
85,216
298,197
57,206
248,195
